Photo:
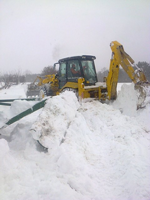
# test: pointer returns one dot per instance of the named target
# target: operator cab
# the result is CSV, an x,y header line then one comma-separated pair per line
x,y
71,68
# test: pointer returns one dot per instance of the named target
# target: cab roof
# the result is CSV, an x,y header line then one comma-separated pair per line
x,y
83,57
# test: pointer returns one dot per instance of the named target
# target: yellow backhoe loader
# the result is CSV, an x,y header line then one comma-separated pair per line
x,y
78,74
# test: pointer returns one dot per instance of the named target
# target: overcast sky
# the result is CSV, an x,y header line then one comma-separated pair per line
x,y
36,33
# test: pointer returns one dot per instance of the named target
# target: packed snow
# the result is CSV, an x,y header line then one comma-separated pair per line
x,y
94,151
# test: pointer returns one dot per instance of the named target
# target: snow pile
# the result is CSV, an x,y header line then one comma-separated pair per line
x,y
55,119
99,142
16,108
95,151
14,92
127,100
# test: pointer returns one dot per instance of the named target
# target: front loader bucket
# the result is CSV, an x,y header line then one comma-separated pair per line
x,y
32,93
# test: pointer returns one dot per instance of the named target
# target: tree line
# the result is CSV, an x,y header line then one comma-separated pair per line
x,y
123,77
15,78
11,78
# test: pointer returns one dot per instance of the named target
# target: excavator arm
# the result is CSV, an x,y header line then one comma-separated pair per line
x,y
121,58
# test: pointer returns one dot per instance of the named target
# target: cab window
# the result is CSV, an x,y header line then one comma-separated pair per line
x,y
89,71
62,74
73,69
62,70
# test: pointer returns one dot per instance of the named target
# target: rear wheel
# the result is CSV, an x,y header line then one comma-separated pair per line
x,y
46,91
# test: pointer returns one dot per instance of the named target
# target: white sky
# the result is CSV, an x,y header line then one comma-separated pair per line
x,y
36,33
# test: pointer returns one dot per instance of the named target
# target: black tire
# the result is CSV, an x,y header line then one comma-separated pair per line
x,y
43,92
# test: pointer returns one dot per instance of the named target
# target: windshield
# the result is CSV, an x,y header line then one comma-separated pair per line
x,y
89,71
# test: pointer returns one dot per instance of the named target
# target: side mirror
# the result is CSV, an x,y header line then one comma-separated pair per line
x,y
56,66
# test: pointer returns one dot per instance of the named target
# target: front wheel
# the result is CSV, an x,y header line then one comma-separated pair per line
x,y
42,94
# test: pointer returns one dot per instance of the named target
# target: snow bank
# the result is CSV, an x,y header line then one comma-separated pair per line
x,y
95,151
15,91
55,119
16,108
97,144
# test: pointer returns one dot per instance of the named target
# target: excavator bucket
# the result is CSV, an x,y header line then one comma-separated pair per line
x,y
143,92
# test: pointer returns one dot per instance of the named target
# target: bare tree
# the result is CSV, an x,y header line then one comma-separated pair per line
x,y
12,78
48,70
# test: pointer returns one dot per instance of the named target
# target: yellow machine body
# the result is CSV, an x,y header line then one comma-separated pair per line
x,y
89,87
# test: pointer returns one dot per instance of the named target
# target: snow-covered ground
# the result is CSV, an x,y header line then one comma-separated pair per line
x,y
95,151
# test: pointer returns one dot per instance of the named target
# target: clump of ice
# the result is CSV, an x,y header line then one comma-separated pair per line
x,y
56,117
17,107
127,100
